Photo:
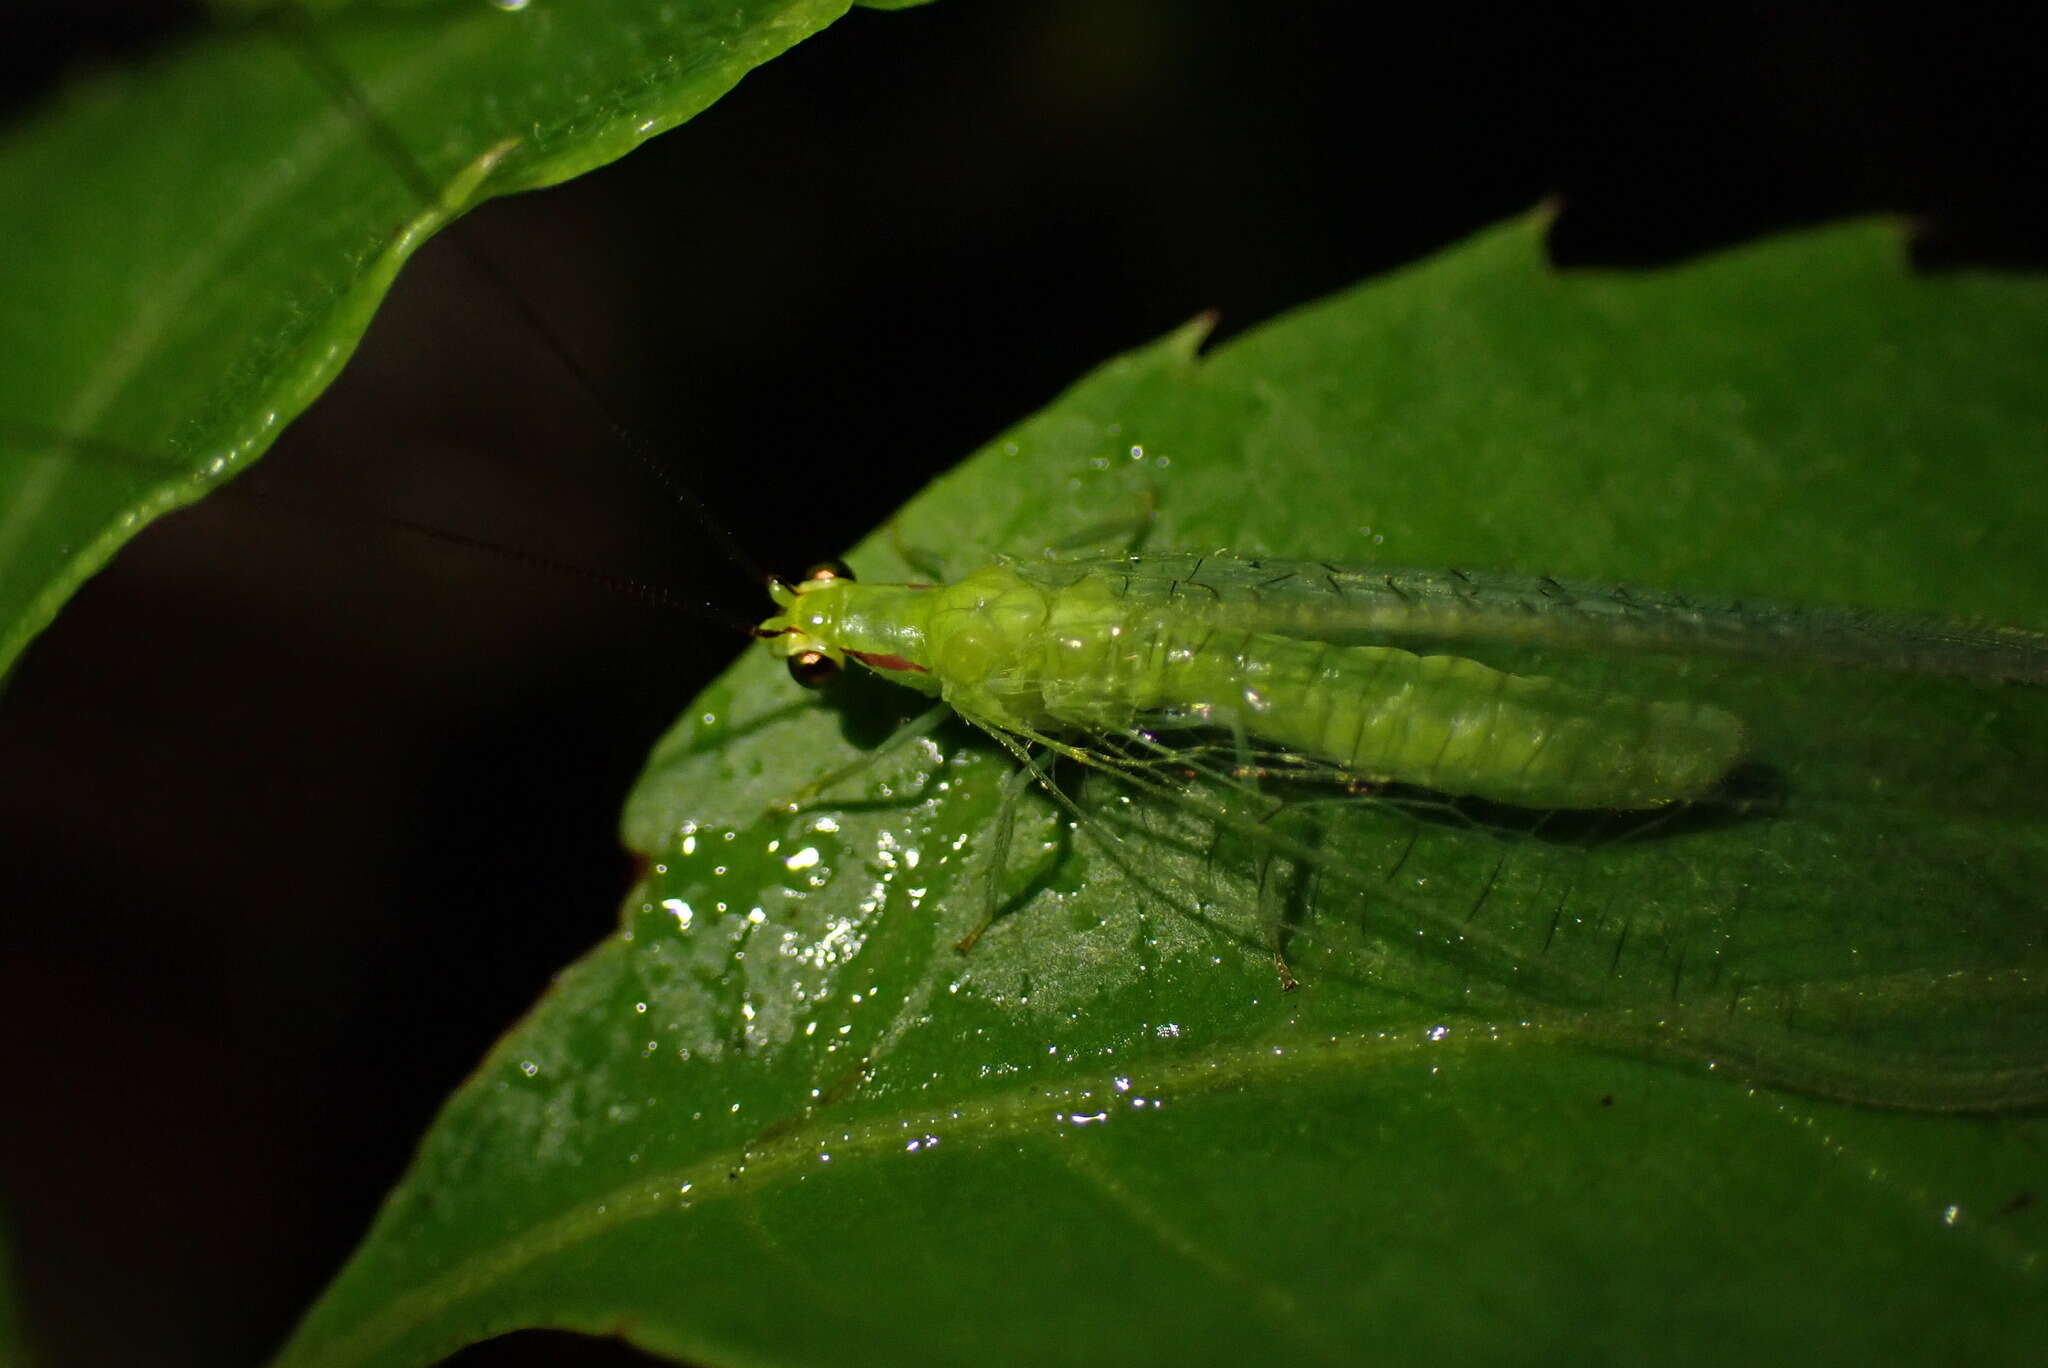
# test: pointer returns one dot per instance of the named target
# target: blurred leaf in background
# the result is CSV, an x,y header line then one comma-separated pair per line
x,y
207,239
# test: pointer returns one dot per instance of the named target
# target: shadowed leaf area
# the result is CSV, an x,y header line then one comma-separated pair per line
x,y
1605,1075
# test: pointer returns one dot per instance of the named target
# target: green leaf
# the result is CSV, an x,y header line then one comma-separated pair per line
x,y
195,246
1543,1095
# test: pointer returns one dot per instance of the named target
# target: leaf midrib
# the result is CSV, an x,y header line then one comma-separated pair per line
x,y
1021,1111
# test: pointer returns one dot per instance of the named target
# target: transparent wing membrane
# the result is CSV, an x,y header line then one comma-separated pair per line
x,y
1776,923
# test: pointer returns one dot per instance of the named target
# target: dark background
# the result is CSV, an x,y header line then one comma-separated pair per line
x,y
302,811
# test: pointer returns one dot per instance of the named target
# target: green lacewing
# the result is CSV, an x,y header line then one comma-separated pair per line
x,y
1773,836
1399,688
1307,658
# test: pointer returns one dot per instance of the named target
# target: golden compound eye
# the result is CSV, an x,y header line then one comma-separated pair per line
x,y
813,669
829,570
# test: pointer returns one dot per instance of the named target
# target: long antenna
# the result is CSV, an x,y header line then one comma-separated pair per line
x,y
297,26
652,595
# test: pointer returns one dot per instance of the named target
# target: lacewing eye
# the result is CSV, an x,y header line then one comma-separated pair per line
x,y
813,669
829,570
